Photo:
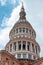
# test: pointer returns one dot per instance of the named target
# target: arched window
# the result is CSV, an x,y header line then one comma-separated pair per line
x,y
19,46
34,57
13,63
30,31
16,30
33,47
36,49
6,58
20,30
15,45
10,47
28,47
24,47
23,29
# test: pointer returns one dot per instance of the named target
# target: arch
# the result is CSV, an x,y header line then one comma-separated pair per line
x,y
19,46
24,47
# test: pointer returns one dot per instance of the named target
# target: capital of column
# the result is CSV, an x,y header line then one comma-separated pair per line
x,y
26,45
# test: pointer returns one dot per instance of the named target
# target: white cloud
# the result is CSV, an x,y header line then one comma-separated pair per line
x,y
4,37
4,22
8,24
13,1
4,2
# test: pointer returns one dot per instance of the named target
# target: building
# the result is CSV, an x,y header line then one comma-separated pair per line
x,y
22,47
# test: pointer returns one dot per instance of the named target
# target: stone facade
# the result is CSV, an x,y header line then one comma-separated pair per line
x,y
8,59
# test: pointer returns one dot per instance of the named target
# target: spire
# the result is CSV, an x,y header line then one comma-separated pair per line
x,y
22,6
22,12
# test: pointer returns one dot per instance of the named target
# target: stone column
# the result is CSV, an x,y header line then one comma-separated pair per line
x,y
25,30
30,46
15,31
32,57
39,54
9,48
18,30
31,33
27,55
34,49
37,51
22,30
16,46
16,55
21,55
12,47
21,45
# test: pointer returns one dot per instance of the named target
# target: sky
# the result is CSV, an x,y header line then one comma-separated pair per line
x,y
9,14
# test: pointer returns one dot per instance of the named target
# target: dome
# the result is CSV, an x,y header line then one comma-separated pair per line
x,y
23,23
22,42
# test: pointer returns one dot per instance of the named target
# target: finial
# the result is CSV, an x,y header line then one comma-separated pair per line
x,y
22,8
22,13
22,5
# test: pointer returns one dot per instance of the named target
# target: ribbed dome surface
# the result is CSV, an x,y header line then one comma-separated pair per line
x,y
23,23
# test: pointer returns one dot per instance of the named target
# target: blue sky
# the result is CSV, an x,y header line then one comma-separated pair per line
x,y
9,14
6,8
